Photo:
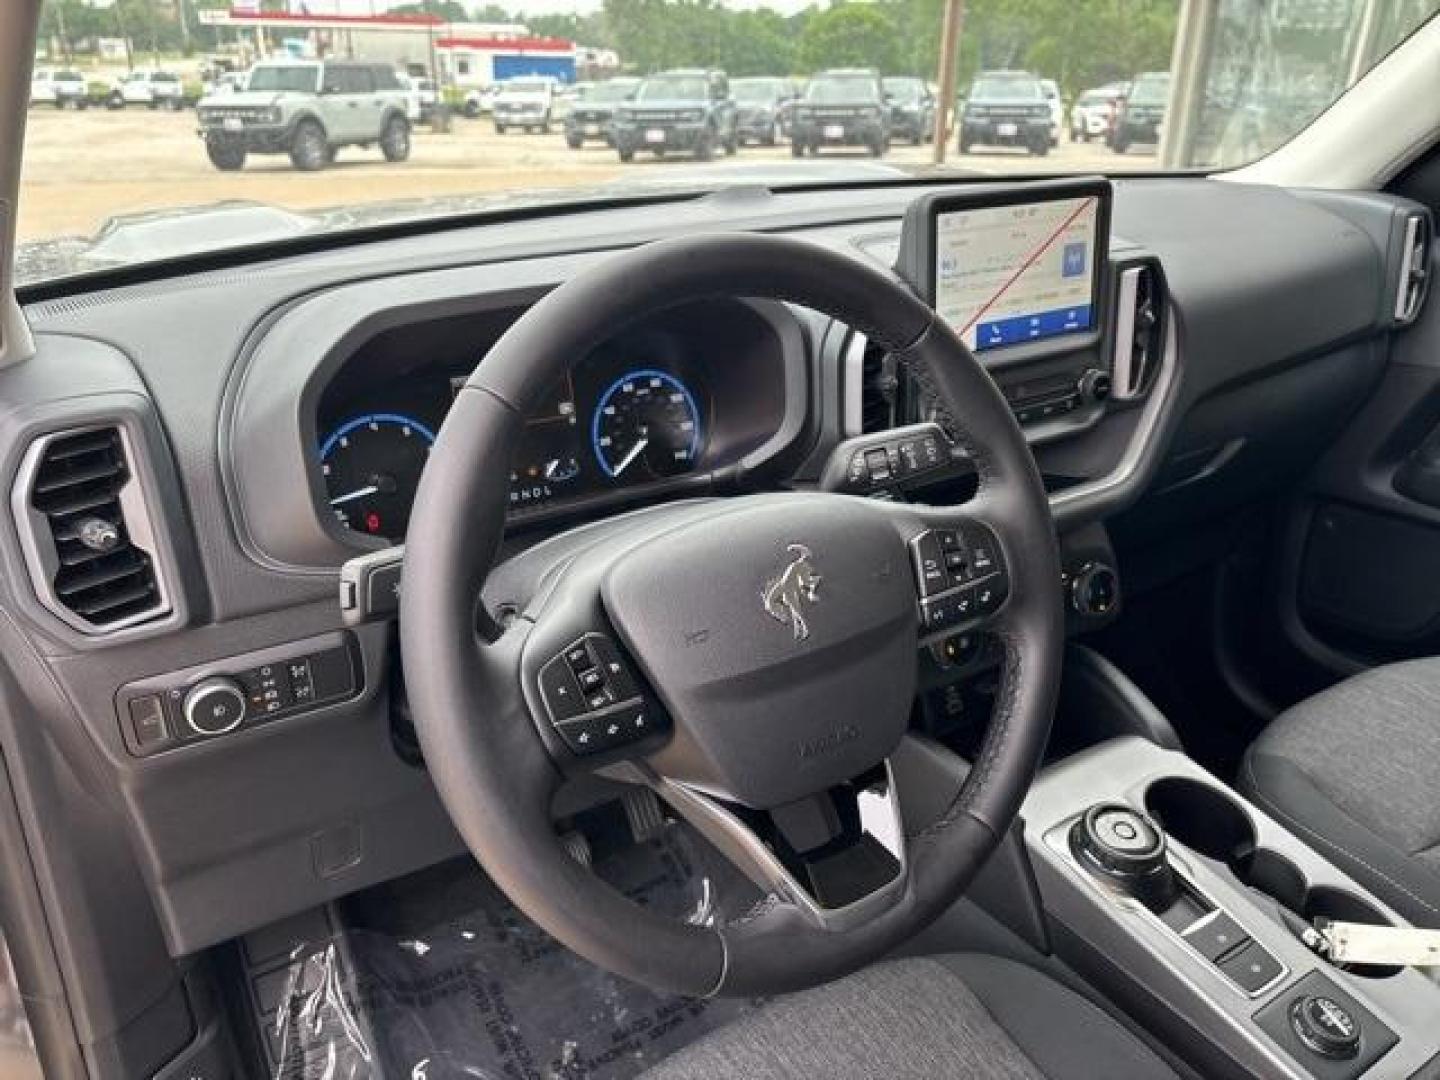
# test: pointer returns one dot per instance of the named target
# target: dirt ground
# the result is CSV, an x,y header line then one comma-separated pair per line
x,y
81,168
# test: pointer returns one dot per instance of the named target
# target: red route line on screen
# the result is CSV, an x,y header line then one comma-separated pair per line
x,y
1029,262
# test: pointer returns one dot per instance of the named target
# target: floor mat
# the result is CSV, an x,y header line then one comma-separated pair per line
x,y
439,976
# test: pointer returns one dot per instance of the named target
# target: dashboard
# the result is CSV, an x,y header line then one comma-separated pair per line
x,y
663,404
276,415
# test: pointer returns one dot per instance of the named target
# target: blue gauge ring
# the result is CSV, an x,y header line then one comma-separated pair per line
x,y
631,376
393,419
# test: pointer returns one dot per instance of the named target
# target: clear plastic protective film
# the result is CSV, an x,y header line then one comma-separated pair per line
x,y
440,976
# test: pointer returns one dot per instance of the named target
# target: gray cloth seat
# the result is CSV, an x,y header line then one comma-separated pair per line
x,y
1355,772
962,1015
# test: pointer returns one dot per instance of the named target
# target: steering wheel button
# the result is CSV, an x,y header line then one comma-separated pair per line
x,y
599,699
581,736
578,657
591,679
989,595
561,690
949,540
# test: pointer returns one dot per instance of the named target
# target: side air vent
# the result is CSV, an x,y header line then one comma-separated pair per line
x,y
88,533
1139,335
1414,269
879,389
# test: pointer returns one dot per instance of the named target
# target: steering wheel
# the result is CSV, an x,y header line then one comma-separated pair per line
x,y
752,659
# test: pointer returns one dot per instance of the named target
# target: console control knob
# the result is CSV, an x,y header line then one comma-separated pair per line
x,y
214,706
1126,848
1095,590
1094,385
1325,1026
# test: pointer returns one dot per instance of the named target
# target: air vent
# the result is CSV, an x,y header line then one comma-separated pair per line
x,y
872,388
89,538
1414,269
1138,331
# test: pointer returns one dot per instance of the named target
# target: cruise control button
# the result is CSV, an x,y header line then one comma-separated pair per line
x,y
1250,968
989,595
561,690
1216,937
591,679
578,657
582,735
878,462
930,565
617,674
982,550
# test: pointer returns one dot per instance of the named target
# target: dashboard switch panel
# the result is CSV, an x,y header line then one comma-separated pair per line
x,y
878,462
231,696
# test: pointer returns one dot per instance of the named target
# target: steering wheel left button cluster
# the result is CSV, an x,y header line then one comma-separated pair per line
x,y
594,701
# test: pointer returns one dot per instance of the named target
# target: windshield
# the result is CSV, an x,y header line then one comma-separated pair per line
x,y
839,88
688,88
1150,90
1005,88
272,79
904,90
609,92
746,91
143,175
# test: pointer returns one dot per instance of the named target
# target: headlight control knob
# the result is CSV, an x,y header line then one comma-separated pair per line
x,y
214,706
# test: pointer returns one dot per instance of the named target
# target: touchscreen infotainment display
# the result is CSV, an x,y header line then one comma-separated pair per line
x,y
1017,273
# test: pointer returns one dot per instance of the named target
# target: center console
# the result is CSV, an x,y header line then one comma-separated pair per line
x,y
1189,903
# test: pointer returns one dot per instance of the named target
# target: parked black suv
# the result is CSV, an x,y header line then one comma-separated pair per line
x,y
842,107
765,108
912,108
1141,112
593,114
1006,108
688,109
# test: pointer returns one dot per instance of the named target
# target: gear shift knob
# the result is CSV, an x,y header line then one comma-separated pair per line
x,y
1126,849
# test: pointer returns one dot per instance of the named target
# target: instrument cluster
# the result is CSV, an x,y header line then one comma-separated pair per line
x,y
635,416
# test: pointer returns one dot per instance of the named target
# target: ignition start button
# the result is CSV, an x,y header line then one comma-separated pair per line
x,y
1325,1026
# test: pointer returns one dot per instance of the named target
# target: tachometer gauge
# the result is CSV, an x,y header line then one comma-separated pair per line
x,y
372,466
646,425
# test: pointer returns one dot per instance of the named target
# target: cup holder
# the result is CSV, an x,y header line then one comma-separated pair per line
x,y
1209,822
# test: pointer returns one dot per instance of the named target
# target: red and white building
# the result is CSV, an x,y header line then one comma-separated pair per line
x,y
467,54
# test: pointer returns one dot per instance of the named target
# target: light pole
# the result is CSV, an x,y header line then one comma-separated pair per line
x,y
949,48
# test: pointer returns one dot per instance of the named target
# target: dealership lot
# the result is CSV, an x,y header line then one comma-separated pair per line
x,y
138,160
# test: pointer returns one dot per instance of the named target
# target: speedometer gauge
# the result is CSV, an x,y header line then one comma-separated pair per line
x,y
372,467
646,426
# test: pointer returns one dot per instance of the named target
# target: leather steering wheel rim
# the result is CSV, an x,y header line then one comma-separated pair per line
x,y
491,768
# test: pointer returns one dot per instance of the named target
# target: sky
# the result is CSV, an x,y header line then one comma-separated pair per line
x,y
537,7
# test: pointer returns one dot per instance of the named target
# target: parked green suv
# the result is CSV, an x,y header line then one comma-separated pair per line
x,y
689,110
842,107
308,110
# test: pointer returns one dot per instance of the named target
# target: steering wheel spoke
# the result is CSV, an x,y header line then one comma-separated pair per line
x,y
838,856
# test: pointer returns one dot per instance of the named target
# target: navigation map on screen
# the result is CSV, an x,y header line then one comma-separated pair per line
x,y
1006,275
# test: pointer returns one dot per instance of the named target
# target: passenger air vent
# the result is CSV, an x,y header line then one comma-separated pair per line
x,y
1139,333
88,532
1414,269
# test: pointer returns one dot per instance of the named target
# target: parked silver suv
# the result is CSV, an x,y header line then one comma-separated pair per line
x,y
307,109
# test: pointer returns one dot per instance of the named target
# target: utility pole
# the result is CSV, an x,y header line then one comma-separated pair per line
x,y
949,50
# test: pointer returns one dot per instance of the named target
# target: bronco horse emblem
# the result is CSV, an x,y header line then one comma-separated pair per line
x,y
785,597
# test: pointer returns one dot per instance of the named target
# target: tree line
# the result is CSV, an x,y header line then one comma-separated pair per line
x,y
1079,43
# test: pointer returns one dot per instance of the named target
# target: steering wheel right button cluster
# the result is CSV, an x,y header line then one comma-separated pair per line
x,y
961,576
594,700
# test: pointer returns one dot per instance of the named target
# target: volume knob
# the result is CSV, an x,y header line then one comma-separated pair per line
x,y
214,706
